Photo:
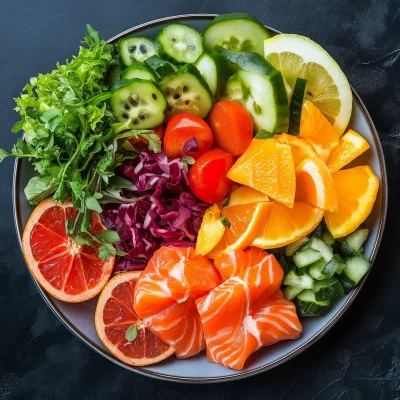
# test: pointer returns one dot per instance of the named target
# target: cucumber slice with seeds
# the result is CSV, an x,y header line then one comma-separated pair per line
x,y
187,91
138,70
309,306
215,71
291,248
327,289
161,67
141,102
181,43
235,31
264,98
135,48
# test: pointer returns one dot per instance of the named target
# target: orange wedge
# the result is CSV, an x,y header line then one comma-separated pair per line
x,y
318,130
356,190
267,166
301,148
285,225
245,221
246,195
314,184
211,231
351,145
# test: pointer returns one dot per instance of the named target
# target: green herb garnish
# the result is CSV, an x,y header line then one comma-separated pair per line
x,y
131,333
225,221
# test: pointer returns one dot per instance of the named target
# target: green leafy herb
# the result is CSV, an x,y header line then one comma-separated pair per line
x,y
225,221
226,202
131,333
108,236
263,134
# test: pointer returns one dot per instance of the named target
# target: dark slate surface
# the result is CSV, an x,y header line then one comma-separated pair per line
x,y
358,359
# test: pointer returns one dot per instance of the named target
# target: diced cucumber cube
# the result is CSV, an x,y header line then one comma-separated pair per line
x,y
322,247
356,268
291,248
327,289
335,266
290,292
328,238
315,270
303,282
303,258
309,306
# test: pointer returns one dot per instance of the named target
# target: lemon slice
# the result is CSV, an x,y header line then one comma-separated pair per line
x,y
327,86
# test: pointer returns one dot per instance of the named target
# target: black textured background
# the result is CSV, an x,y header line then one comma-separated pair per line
x,y
358,359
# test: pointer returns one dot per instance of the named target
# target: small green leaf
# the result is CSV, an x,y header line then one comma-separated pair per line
x,y
120,253
83,239
99,98
61,192
105,251
39,188
188,160
226,202
53,124
94,35
263,134
85,221
3,154
120,183
69,226
225,221
50,114
98,195
131,333
108,236
17,126
93,204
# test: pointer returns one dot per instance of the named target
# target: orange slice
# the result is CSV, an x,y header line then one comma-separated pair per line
x,y
301,148
351,145
211,231
246,195
69,272
318,130
314,185
356,190
285,225
245,221
267,166
115,314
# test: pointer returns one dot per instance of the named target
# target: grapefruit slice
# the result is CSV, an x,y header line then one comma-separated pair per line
x,y
115,315
69,272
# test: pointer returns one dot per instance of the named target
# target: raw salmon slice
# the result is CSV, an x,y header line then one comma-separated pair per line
x,y
247,311
165,294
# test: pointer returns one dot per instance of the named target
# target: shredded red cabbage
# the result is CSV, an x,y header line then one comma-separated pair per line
x,y
169,215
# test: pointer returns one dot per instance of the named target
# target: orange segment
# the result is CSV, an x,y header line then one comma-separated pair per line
x,y
356,190
245,220
318,130
314,185
115,314
211,231
246,195
301,148
351,145
267,166
285,225
66,270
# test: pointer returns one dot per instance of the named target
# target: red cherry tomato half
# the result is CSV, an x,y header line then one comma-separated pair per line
x,y
207,177
159,131
187,135
232,127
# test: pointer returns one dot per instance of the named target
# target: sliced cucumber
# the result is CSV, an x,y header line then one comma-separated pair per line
x,y
335,266
356,268
295,280
327,289
322,247
315,270
135,48
309,306
352,243
215,71
264,100
318,232
328,238
304,258
141,102
236,31
296,105
160,67
187,91
138,70
113,74
290,292
291,248
234,89
180,43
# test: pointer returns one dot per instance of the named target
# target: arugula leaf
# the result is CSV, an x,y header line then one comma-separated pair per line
x,y
93,204
108,236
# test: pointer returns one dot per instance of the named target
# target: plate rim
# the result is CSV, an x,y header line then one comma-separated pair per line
x,y
239,375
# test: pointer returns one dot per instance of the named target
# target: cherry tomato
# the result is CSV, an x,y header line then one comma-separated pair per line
x,y
207,177
232,127
159,131
187,129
